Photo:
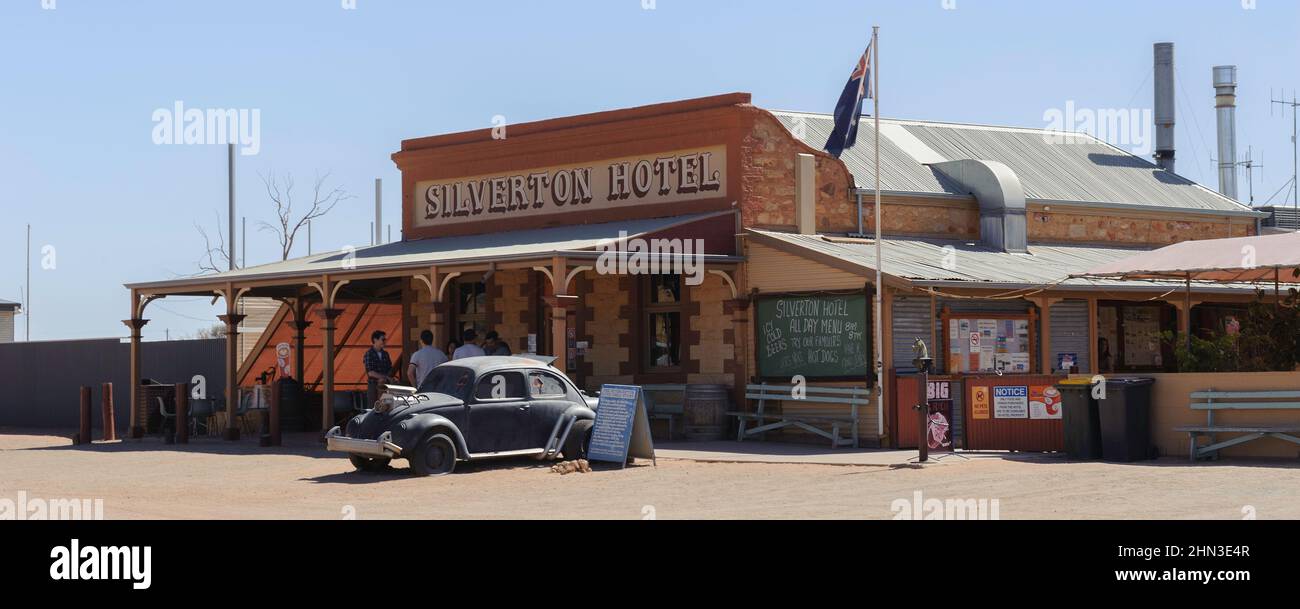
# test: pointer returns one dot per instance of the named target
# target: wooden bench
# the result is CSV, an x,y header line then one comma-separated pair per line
x,y
1211,401
850,397
665,409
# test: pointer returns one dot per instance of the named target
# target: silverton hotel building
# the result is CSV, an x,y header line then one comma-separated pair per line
x,y
710,241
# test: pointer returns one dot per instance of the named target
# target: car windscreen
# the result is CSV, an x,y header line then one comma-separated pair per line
x,y
454,381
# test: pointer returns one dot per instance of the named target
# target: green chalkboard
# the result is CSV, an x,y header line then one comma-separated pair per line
x,y
816,336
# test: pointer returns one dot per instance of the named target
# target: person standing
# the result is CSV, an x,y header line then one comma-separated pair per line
x,y
379,366
493,345
424,360
470,347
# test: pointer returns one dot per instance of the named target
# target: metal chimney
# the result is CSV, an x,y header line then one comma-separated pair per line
x,y
1225,103
1164,79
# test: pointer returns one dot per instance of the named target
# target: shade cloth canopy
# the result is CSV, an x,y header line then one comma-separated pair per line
x,y
1264,258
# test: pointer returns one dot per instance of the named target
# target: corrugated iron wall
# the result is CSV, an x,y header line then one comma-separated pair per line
x,y
911,321
1069,324
40,382
1028,435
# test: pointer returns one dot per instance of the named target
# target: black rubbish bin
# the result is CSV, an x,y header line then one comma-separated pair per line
x,y
1126,420
1080,419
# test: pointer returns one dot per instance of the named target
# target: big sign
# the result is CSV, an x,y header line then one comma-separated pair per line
x,y
672,177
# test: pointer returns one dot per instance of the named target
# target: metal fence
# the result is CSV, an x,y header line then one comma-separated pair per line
x,y
40,382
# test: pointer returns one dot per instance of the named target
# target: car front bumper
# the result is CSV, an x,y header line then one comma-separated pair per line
x,y
383,447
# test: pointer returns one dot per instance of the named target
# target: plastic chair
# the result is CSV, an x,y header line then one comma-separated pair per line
x,y
202,410
167,417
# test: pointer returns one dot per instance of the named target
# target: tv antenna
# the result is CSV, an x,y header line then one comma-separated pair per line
x,y
1295,166
1250,166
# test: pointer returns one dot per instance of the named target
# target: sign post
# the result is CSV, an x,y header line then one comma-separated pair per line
x,y
622,427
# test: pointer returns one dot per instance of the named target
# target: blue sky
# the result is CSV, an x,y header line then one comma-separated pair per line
x,y
338,90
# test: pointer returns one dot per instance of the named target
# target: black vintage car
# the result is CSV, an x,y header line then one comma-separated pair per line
x,y
472,408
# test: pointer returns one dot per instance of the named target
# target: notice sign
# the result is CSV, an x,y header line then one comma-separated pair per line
x,y
979,403
1044,402
622,427
1011,402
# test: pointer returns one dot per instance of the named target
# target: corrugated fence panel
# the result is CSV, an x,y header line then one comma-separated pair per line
x,y
1022,434
1070,332
40,383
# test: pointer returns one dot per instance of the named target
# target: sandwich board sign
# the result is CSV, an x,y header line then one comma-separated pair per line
x,y
622,427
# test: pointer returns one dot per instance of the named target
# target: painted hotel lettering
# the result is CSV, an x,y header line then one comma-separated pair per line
x,y
668,178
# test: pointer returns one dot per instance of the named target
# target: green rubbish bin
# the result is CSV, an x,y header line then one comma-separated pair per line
x,y
1126,420
1080,419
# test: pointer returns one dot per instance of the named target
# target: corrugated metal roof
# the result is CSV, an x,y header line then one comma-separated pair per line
x,y
1053,166
445,250
929,262
899,172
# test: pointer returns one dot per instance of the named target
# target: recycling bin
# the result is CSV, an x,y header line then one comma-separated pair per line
x,y
1080,419
1126,420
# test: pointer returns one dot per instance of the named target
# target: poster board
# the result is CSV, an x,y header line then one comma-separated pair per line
x,y
938,423
983,343
817,336
622,427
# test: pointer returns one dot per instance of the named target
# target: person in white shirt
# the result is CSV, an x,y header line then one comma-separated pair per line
x,y
424,360
470,348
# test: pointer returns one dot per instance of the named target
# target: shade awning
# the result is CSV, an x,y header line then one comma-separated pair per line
x,y
1238,259
575,240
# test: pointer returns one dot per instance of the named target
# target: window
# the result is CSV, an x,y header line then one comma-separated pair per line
x,y
471,307
662,306
546,385
448,380
1130,337
501,386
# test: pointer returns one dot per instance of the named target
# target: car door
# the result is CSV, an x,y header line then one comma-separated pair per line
x,y
551,398
499,416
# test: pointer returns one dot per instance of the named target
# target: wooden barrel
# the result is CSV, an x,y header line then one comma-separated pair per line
x,y
705,409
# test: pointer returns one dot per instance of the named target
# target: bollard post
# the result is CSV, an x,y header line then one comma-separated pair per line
x,y
83,431
110,427
182,413
274,413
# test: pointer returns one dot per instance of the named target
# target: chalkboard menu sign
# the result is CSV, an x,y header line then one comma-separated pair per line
x,y
817,336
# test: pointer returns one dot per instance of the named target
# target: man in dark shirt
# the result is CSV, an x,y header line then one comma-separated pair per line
x,y
379,367
493,345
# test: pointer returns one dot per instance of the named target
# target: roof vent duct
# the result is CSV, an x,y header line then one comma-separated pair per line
x,y
1164,111
1225,103
1001,198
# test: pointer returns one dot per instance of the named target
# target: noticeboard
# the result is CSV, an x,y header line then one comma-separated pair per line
x,y
622,427
819,337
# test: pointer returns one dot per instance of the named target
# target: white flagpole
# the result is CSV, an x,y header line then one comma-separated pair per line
x,y
880,259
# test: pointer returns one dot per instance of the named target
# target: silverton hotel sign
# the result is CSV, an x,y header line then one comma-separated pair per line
x,y
665,178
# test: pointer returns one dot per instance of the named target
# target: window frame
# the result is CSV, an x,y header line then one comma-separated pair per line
x,y
648,310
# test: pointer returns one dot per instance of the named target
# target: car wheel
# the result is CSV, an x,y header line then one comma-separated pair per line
x,y
579,440
369,464
434,456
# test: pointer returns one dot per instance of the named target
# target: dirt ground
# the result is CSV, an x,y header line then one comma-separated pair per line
x,y
210,479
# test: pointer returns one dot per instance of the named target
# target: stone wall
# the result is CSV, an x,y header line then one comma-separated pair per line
x,y
712,326
606,328
1107,227
512,308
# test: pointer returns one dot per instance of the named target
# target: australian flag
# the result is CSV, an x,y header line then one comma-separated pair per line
x,y
849,109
